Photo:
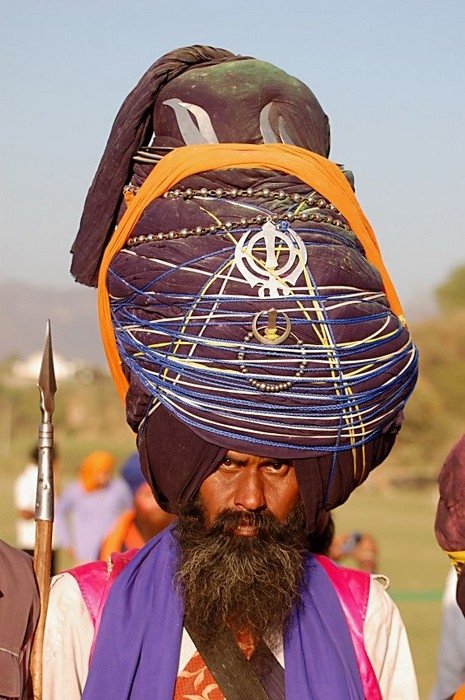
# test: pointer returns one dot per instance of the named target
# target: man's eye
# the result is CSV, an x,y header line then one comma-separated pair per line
x,y
278,466
227,462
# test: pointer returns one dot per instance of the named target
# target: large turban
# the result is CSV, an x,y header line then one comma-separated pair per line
x,y
244,302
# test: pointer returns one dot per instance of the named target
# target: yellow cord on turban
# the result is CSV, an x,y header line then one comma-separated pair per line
x,y
457,559
317,172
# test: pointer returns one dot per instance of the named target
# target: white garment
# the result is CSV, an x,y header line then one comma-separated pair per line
x,y
451,649
25,491
25,488
69,633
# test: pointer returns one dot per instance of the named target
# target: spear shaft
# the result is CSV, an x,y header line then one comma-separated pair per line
x,y
44,510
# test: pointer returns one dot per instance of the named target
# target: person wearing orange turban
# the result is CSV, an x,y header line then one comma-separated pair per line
x,y
89,506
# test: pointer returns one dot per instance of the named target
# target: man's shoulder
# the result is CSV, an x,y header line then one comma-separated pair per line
x,y
120,486
72,489
346,574
94,579
102,570
14,558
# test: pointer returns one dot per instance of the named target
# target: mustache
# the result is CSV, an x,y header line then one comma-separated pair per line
x,y
226,522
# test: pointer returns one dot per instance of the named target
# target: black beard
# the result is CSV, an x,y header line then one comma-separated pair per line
x,y
248,583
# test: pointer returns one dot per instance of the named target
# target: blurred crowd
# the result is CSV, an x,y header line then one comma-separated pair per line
x,y
100,511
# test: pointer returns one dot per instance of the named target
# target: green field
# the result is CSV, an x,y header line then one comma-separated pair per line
x,y
402,522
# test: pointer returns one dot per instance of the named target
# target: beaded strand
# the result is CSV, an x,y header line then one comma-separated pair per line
x,y
313,200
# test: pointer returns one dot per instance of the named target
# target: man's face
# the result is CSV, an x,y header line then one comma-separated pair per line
x,y
242,546
250,484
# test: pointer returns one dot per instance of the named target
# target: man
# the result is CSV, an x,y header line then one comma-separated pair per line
x,y
360,547
450,672
259,345
89,506
140,523
19,613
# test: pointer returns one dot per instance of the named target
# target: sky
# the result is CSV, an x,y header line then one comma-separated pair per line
x,y
390,76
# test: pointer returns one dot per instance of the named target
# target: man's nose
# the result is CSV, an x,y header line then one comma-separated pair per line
x,y
250,493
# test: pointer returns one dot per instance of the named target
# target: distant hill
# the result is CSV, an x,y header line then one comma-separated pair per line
x,y
25,309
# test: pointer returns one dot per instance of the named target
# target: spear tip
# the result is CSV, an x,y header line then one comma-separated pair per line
x,y
47,383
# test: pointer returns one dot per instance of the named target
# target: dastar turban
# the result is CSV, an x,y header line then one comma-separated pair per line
x,y
243,300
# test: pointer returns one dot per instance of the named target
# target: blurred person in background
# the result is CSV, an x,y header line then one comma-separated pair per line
x,y
450,533
451,647
360,547
144,520
24,496
19,613
89,505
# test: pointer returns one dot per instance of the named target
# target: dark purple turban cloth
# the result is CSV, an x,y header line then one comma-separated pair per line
x,y
450,514
158,289
234,93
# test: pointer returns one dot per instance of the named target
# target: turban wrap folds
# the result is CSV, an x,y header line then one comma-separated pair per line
x,y
243,292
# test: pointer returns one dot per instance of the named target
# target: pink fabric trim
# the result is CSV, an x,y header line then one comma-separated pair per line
x,y
95,580
353,589
91,579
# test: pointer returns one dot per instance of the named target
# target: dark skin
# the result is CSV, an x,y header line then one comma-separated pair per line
x,y
150,518
249,483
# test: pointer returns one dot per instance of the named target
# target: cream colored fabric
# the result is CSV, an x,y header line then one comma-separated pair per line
x,y
69,632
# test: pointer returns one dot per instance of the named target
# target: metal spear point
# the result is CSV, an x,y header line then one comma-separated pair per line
x,y
47,388
44,510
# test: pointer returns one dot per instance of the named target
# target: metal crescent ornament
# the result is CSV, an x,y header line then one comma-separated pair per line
x,y
271,335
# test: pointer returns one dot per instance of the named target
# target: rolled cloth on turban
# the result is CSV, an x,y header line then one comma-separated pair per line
x,y
244,302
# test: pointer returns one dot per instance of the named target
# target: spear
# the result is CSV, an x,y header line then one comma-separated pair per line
x,y
44,505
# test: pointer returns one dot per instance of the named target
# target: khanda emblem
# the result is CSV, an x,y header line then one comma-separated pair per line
x,y
272,258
